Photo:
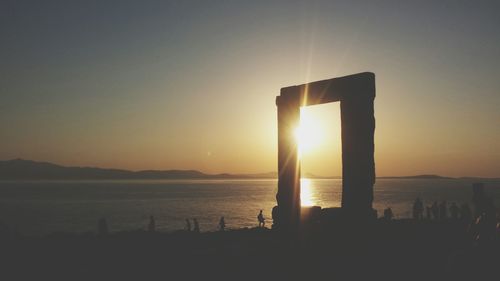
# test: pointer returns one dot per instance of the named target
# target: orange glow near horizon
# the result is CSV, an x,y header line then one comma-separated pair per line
x,y
199,91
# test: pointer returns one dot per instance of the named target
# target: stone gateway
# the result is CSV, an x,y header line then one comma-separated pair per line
x,y
356,94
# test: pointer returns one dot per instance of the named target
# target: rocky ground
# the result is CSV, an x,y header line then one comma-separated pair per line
x,y
401,249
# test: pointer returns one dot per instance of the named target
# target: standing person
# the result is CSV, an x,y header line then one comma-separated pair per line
x,y
465,213
454,211
478,199
443,210
388,215
222,224
486,223
418,209
188,225
152,224
428,212
435,210
261,219
196,227
102,227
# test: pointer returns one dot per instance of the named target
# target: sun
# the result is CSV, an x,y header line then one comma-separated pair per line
x,y
308,134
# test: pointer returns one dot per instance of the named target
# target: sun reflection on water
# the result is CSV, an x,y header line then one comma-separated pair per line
x,y
306,193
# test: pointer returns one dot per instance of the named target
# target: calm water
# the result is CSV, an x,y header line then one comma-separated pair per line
x,y
41,207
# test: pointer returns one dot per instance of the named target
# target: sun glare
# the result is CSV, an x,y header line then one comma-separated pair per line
x,y
306,193
309,134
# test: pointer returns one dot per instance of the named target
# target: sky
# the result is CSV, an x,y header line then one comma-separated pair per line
x,y
192,84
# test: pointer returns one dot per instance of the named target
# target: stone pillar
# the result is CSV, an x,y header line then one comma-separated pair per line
x,y
287,213
358,164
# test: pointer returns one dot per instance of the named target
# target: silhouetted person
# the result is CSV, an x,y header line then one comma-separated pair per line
x,y
102,227
188,225
465,213
418,209
428,212
478,198
435,210
490,219
498,221
152,224
261,219
388,215
486,224
222,224
443,210
454,211
196,227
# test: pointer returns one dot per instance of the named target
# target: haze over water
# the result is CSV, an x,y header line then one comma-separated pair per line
x,y
34,208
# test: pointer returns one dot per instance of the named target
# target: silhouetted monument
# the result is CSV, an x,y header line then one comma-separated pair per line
x,y
356,94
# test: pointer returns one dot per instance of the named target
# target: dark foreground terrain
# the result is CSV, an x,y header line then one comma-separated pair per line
x,y
383,249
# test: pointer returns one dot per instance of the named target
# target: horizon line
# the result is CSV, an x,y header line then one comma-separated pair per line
x,y
311,175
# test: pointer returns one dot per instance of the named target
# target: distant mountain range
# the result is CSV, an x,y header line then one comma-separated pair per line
x,y
20,169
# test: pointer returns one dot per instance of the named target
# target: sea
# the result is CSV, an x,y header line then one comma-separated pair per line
x,y
41,207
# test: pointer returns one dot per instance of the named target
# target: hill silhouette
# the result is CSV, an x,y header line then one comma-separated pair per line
x,y
20,169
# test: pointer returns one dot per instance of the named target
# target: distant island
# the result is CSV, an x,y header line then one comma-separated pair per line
x,y
20,169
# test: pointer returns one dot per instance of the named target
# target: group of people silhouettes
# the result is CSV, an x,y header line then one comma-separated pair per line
x,y
483,206
196,226
485,218
439,211
483,221
222,223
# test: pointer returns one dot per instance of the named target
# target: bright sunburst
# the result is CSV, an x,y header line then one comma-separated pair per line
x,y
308,134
